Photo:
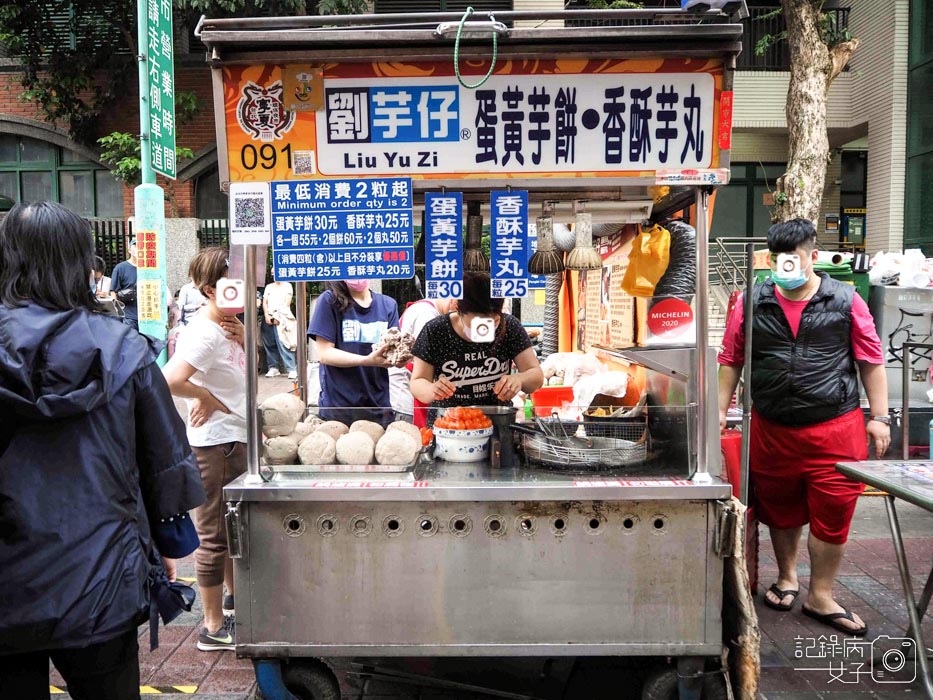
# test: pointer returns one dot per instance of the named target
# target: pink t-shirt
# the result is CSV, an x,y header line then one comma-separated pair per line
x,y
866,347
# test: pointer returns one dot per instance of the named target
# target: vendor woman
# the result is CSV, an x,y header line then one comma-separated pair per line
x,y
453,366
348,319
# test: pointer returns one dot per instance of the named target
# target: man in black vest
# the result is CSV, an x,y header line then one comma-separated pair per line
x,y
812,337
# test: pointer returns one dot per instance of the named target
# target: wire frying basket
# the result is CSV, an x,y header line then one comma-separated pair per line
x,y
609,442
604,452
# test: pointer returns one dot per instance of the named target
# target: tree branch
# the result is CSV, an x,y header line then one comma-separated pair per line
x,y
840,55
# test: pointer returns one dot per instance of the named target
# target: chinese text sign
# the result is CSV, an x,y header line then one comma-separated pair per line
x,y
160,59
443,247
508,243
342,229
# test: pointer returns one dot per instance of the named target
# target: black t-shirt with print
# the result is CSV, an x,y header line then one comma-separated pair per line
x,y
474,368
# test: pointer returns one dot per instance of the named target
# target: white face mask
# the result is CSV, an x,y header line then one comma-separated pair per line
x,y
790,272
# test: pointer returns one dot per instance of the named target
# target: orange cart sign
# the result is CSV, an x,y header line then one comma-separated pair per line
x,y
532,119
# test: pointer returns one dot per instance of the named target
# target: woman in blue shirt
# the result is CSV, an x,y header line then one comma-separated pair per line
x,y
348,319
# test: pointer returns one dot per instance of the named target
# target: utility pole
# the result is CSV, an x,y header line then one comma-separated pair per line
x,y
157,155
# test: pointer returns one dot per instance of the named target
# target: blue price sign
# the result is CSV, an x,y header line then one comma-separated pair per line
x,y
509,243
534,281
443,245
342,229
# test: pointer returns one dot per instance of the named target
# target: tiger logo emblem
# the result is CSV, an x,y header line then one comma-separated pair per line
x,y
261,112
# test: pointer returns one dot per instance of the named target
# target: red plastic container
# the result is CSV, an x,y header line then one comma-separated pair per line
x,y
551,398
730,442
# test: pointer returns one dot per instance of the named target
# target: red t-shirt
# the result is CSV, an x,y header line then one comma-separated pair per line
x,y
866,346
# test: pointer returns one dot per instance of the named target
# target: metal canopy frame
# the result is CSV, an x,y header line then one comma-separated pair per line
x,y
401,37
620,34
695,30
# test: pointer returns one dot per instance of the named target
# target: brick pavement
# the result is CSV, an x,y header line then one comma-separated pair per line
x,y
869,583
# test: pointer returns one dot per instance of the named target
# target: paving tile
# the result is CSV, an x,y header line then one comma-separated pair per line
x,y
227,680
784,679
55,678
771,653
230,660
180,674
884,600
170,638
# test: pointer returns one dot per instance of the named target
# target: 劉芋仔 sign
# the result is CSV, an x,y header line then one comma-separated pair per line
x,y
556,118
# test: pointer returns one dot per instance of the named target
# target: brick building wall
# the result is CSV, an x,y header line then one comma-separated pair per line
x,y
191,74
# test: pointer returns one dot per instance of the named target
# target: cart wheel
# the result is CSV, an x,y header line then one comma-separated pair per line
x,y
309,680
661,684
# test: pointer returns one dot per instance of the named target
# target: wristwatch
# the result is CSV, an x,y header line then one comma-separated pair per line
x,y
882,419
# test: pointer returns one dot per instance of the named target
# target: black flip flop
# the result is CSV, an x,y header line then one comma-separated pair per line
x,y
780,606
832,619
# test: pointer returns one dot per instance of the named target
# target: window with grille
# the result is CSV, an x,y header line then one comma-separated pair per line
x,y
33,170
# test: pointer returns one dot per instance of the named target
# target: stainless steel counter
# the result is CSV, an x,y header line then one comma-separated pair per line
x,y
460,559
449,481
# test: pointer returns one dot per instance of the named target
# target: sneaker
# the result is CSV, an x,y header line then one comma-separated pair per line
x,y
293,374
221,640
273,372
228,606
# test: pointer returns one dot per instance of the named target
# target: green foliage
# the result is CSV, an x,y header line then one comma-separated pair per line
x,y
831,33
187,106
614,5
342,7
120,151
76,57
241,8
63,46
767,41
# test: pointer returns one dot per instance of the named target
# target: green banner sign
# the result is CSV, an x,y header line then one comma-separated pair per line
x,y
160,61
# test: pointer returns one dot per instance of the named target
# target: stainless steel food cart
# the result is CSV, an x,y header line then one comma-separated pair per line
x,y
474,560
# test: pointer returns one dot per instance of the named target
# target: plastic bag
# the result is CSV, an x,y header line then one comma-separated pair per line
x,y
571,366
647,262
287,328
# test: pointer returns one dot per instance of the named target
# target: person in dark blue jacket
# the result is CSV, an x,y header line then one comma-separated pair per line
x,y
95,469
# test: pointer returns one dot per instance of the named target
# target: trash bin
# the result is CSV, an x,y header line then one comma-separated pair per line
x,y
843,273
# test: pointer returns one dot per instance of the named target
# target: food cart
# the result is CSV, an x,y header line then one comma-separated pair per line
x,y
481,559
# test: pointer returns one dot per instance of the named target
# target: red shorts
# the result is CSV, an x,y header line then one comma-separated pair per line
x,y
793,474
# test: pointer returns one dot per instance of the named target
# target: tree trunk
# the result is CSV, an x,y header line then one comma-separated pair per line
x,y
799,192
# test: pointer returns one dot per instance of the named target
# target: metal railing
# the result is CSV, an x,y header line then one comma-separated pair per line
x,y
763,21
727,261
213,232
111,239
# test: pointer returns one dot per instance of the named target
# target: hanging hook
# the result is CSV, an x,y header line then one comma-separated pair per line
x,y
495,27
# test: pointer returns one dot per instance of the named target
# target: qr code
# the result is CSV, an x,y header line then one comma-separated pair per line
x,y
303,163
248,212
